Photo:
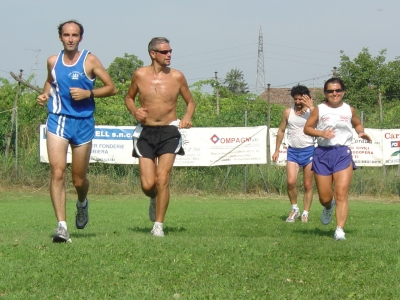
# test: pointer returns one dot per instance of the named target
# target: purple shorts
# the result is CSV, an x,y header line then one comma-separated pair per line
x,y
329,160
301,156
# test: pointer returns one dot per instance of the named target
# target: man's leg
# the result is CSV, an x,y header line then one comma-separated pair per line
x,y
57,152
308,190
79,167
163,176
292,171
147,169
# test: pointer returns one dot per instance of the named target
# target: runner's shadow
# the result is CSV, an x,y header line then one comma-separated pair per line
x,y
79,235
167,229
284,217
317,231
82,235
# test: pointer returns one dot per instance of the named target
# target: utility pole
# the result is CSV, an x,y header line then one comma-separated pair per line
x,y
13,115
380,105
260,78
37,51
216,93
268,124
334,74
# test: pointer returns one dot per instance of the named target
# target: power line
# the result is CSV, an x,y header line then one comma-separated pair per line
x,y
322,76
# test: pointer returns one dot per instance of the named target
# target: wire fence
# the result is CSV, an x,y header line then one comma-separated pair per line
x,y
24,135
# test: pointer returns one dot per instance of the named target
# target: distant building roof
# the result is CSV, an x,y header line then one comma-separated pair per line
x,y
282,96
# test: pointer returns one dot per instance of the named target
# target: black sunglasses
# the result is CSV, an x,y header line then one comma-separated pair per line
x,y
337,91
163,51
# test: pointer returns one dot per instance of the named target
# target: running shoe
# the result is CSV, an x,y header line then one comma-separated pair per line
x,y
157,231
339,234
152,209
61,236
82,215
304,218
326,216
294,214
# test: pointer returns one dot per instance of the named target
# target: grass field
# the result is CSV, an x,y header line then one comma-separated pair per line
x,y
214,248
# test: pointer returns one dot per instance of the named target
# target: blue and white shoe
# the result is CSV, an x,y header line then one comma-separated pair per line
x,y
82,215
294,214
61,236
152,209
326,216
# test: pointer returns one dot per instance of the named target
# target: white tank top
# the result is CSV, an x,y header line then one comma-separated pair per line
x,y
338,119
295,134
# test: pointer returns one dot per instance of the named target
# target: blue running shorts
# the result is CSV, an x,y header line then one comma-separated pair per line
x,y
301,156
77,131
329,160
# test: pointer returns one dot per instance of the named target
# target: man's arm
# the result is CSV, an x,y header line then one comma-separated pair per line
x,y
308,102
97,70
42,98
281,133
186,121
140,114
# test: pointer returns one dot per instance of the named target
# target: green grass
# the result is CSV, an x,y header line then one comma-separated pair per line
x,y
214,248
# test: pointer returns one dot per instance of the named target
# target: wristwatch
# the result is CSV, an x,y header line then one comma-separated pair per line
x,y
91,94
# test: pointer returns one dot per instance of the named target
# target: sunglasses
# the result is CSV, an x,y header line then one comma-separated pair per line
x,y
165,52
337,91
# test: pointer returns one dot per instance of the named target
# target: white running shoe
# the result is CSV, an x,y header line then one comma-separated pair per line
x,y
157,231
294,214
304,218
152,209
61,236
326,216
339,234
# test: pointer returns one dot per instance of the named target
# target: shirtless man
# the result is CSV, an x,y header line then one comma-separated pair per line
x,y
69,93
157,139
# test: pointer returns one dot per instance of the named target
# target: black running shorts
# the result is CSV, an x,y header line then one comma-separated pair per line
x,y
157,140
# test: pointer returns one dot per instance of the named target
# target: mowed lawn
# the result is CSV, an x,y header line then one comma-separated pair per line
x,y
214,248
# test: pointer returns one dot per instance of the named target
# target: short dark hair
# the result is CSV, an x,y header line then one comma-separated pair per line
x,y
153,44
300,90
334,80
70,21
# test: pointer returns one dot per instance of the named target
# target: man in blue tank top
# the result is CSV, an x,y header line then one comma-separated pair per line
x,y
69,93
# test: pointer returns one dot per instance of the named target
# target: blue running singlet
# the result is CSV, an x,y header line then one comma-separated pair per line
x,y
64,78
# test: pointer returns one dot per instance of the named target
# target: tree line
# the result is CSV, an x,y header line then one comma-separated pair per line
x,y
373,86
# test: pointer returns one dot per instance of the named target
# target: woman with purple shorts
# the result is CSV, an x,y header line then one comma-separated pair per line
x,y
331,122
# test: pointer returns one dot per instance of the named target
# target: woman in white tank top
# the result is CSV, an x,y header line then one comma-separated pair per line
x,y
331,124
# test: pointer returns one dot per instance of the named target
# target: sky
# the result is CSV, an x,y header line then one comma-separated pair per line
x,y
302,40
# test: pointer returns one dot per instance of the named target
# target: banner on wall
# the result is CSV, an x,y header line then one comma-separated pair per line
x,y
229,146
391,146
203,146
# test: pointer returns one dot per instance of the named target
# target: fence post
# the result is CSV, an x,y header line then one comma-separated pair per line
x,y
13,114
268,123
361,176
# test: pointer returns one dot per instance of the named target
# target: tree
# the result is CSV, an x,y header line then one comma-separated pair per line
x,y
235,82
367,78
122,68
